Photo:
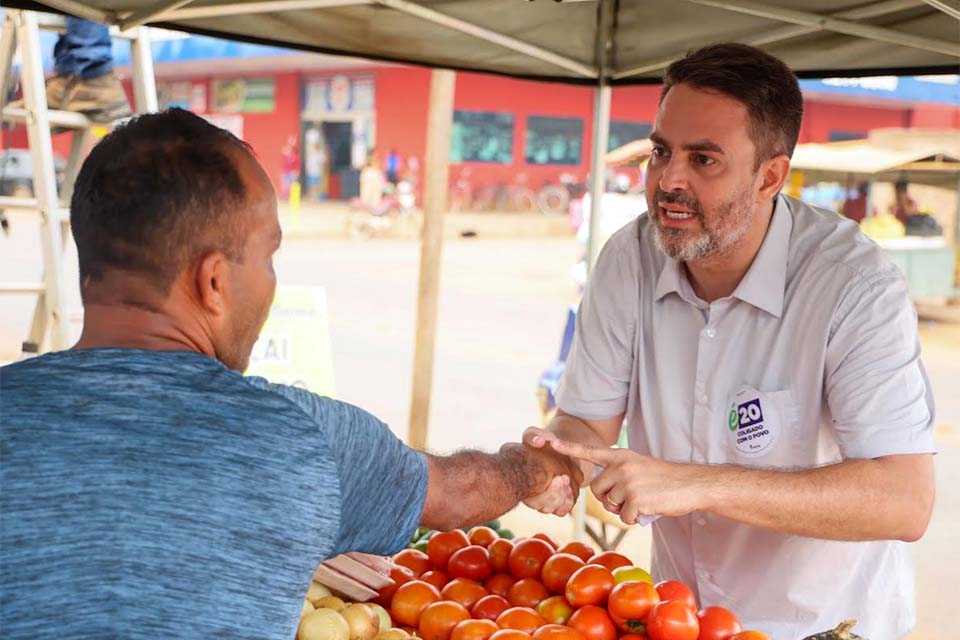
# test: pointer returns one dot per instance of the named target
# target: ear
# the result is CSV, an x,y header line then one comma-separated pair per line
x,y
773,174
211,282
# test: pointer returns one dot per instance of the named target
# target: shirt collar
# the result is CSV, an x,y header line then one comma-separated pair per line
x,y
764,283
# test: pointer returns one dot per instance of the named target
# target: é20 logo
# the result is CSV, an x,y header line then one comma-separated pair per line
x,y
749,413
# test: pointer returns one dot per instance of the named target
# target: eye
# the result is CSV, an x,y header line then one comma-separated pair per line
x,y
703,161
658,152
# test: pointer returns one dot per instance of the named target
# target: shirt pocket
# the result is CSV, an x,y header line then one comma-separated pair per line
x,y
763,428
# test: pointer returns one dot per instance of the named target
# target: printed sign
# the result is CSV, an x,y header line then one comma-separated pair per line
x,y
753,421
294,345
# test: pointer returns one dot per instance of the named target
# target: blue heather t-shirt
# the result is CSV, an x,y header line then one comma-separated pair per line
x,y
161,495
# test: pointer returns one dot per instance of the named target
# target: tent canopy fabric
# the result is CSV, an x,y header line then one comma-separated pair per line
x,y
574,41
924,164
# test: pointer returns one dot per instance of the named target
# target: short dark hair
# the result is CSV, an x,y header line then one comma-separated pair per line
x,y
764,84
154,194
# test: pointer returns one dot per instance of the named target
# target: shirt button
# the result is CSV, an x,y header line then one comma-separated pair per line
x,y
703,398
711,332
702,574
702,521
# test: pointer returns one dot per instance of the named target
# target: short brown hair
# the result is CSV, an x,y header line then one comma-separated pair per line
x,y
764,84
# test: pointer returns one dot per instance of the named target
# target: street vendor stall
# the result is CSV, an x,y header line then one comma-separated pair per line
x,y
928,262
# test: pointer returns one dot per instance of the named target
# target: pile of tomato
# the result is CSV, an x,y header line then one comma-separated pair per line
x,y
478,586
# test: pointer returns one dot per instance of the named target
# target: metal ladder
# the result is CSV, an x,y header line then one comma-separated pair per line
x,y
23,28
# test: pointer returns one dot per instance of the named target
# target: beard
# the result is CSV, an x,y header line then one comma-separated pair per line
x,y
728,224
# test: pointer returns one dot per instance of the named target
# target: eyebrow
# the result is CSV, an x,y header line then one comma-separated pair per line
x,y
696,145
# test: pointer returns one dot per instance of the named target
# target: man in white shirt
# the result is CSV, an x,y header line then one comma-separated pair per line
x,y
765,357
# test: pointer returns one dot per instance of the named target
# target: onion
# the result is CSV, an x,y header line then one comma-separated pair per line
x,y
324,624
385,621
329,602
363,622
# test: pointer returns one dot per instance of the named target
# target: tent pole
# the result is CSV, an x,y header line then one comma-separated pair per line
x,y
439,124
601,133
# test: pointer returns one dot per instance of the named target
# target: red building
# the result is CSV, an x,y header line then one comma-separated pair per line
x,y
505,130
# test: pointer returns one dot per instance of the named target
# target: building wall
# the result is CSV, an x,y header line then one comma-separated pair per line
x,y
820,119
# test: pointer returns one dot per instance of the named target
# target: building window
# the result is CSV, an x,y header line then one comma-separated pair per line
x,y
838,135
482,136
554,140
622,132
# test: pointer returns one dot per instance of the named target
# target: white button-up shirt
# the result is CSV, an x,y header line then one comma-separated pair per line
x,y
813,359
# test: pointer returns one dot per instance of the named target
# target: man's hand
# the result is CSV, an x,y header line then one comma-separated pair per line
x,y
631,484
558,483
358,576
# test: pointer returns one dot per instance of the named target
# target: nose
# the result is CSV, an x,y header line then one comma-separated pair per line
x,y
673,175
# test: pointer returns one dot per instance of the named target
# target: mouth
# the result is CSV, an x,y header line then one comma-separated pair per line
x,y
675,215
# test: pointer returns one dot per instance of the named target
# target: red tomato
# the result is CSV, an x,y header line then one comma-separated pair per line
x,y
438,620
483,536
589,585
521,618
510,634
611,560
528,557
672,620
474,630
489,607
499,583
410,600
500,554
416,561
675,590
546,537
471,562
463,591
750,635
399,575
634,636
444,544
555,610
717,623
630,603
557,632
594,623
557,570
527,593
437,578
579,549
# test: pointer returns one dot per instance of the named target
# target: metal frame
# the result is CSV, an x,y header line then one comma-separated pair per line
x,y
247,8
951,9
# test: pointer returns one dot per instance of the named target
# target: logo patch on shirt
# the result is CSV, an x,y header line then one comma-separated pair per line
x,y
753,433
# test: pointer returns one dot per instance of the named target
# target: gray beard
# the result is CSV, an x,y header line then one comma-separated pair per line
x,y
709,242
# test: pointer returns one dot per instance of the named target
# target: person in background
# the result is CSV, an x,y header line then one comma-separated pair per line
x,y
315,161
151,485
856,208
84,80
904,206
289,165
393,166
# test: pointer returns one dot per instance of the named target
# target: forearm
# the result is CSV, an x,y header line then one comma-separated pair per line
x,y
471,487
883,499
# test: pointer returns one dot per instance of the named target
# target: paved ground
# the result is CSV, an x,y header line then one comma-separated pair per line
x,y
501,314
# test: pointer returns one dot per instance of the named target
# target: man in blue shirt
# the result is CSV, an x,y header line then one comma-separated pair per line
x,y
150,489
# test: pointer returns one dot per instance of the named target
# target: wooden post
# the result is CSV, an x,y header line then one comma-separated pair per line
x,y
439,124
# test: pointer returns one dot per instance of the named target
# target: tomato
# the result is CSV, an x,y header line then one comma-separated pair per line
x,y
630,603
527,593
500,554
555,610
437,578
510,634
416,561
470,562
675,590
579,549
499,583
489,607
482,536
672,620
750,635
474,630
438,620
634,636
410,600
717,623
594,623
463,591
444,544
521,618
557,570
611,560
399,575
557,632
588,585
546,537
632,574
528,557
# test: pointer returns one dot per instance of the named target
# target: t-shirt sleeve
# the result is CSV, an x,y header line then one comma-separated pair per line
x,y
383,482
876,386
596,378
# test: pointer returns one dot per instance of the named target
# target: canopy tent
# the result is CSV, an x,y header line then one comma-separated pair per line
x,y
926,164
595,42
